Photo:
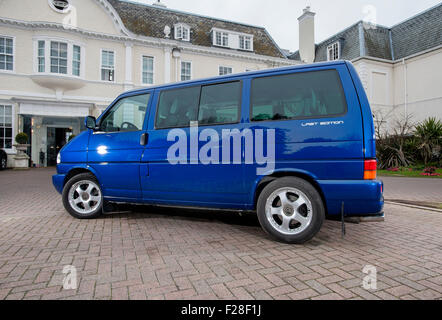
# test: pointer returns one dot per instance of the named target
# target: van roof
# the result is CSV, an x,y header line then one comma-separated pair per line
x,y
236,75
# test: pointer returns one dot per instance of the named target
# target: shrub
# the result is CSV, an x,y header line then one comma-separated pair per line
x,y
429,135
21,138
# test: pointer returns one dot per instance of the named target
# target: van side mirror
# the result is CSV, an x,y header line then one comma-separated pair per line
x,y
90,122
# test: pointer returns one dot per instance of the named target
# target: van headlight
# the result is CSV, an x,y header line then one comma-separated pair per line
x,y
58,158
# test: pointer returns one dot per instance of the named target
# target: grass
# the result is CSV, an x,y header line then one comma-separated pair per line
x,y
405,172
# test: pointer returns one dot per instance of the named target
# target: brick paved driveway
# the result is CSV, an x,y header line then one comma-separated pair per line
x,y
170,254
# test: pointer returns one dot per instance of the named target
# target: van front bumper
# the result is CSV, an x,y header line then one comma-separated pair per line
x,y
58,182
361,198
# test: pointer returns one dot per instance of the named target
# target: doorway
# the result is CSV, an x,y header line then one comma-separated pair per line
x,y
56,139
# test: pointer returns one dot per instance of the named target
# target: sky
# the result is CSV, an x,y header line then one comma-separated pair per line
x,y
279,17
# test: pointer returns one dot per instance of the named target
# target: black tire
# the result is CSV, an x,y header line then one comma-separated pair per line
x,y
3,162
65,196
317,213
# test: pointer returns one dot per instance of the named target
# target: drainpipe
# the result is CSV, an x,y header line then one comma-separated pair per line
x,y
405,90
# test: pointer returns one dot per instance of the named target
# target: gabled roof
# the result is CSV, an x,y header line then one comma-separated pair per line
x,y
150,20
416,34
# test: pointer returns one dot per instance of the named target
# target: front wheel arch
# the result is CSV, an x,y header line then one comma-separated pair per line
x,y
75,172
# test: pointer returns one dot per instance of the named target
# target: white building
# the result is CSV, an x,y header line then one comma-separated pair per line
x,y
61,60
400,66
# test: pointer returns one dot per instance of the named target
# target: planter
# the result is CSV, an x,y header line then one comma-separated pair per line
x,y
21,159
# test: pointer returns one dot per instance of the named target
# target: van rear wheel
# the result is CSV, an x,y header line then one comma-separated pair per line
x,y
82,197
291,210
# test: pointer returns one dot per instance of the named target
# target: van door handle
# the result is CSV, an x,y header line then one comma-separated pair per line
x,y
144,139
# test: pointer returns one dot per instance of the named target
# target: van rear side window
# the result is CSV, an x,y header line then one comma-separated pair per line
x,y
212,104
304,95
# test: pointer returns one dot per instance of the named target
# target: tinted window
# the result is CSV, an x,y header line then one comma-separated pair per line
x,y
177,108
301,95
220,103
126,115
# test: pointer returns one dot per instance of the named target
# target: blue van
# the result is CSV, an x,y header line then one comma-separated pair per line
x,y
294,144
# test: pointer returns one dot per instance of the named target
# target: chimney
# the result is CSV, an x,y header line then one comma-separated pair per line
x,y
307,35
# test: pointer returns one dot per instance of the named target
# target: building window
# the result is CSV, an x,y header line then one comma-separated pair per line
x,y
41,56
221,39
147,70
186,71
6,53
5,127
245,43
76,60
107,65
59,57
61,6
182,32
333,52
225,70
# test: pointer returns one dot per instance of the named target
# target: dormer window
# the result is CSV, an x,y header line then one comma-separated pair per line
x,y
182,32
221,39
245,43
334,51
232,39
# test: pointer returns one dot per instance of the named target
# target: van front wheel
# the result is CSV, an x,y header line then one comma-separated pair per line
x,y
82,197
291,210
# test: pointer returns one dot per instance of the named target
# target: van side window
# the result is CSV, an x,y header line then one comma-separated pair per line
x,y
303,95
177,108
126,115
220,103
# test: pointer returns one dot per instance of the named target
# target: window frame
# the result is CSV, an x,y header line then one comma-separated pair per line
x,y
245,39
101,65
297,118
13,38
6,104
59,57
142,70
241,81
226,67
223,36
109,109
41,56
181,70
332,47
76,61
181,27
47,56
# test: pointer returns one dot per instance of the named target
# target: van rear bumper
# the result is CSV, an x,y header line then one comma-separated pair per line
x,y
361,198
